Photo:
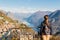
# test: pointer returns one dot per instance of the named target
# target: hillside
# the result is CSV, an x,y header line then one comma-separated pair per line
x,y
35,17
10,27
55,17
18,16
4,18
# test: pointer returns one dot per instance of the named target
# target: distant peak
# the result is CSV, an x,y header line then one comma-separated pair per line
x,y
57,10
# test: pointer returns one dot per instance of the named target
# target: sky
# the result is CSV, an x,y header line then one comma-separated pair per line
x,y
26,6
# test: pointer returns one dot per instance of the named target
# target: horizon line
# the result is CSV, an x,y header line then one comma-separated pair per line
x,y
25,10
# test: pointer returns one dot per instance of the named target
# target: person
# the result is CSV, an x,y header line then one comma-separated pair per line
x,y
46,28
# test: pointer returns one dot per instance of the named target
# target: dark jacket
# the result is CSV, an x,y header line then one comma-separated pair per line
x,y
42,28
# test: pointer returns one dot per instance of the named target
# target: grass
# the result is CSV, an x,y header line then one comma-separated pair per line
x,y
52,38
55,38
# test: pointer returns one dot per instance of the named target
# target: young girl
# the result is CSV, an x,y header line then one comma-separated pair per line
x,y
46,28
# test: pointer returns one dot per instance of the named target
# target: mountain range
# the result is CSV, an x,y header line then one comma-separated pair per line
x,y
36,18
54,17
55,23
18,16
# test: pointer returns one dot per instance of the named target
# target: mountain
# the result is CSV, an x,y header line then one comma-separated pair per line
x,y
55,17
30,18
4,17
36,17
18,16
9,27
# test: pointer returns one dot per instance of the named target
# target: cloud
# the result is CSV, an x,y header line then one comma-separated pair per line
x,y
25,9
19,10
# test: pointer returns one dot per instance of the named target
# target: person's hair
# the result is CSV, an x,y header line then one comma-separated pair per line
x,y
45,16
